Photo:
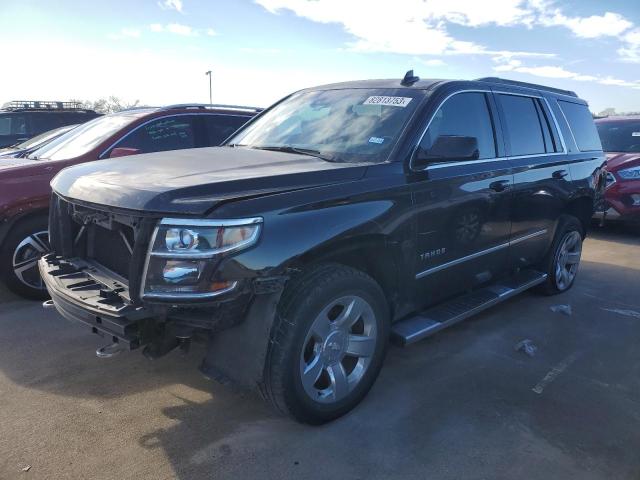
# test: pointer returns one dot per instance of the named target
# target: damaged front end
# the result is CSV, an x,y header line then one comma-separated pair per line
x,y
149,282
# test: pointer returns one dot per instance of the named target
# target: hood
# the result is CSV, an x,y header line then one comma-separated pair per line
x,y
616,161
7,163
196,180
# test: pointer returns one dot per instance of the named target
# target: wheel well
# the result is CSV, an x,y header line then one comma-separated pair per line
x,y
582,208
10,223
371,256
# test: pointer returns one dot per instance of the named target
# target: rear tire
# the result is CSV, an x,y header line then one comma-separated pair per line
x,y
22,248
563,259
328,344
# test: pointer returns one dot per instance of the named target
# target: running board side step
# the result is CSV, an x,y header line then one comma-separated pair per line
x,y
428,322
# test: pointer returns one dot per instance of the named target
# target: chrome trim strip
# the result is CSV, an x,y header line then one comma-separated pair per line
x,y
210,253
114,144
575,142
205,222
187,296
460,260
527,237
493,159
565,150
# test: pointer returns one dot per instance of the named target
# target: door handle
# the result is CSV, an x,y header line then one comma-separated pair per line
x,y
559,174
499,185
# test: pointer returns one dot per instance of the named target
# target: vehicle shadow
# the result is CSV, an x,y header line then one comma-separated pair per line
x,y
458,405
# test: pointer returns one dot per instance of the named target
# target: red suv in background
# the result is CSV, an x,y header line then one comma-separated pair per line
x,y
620,137
24,182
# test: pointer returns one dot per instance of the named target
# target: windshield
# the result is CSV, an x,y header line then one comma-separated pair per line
x,y
43,137
622,136
82,139
347,125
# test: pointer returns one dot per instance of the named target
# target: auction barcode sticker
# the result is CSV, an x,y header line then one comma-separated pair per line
x,y
388,101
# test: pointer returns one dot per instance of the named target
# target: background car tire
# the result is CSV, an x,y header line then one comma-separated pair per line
x,y
21,231
568,227
304,302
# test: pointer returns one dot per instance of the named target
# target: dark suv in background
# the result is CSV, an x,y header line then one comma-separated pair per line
x,y
341,216
21,120
24,182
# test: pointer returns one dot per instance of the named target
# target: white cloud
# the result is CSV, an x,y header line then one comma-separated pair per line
x,y
609,24
552,71
176,28
419,27
412,27
211,32
630,52
432,62
171,5
125,33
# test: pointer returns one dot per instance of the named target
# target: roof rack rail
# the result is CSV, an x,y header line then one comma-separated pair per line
x,y
534,86
204,106
42,105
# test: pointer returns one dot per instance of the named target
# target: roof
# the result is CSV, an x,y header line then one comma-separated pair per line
x,y
432,83
44,105
619,118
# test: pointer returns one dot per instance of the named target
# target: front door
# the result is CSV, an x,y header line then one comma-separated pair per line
x,y
462,204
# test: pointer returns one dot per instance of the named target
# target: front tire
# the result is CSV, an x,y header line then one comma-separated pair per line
x,y
23,247
329,344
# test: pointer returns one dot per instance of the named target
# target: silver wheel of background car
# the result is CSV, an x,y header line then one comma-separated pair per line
x,y
338,349
568,259
26,256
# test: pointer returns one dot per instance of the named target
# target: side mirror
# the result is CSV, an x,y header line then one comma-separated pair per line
x,y
449,148
123,152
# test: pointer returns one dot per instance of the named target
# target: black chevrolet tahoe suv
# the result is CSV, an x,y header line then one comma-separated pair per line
x,y
21,120
339,218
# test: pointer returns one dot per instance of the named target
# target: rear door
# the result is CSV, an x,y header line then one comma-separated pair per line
x,y
542,179
462,206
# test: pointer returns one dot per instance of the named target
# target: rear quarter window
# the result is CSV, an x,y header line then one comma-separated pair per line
x,y
220,127
582,125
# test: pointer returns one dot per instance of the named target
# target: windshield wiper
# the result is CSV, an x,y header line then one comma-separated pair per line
x,y
291,149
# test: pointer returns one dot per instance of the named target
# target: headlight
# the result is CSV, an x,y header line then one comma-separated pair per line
x,y
184,253
632,173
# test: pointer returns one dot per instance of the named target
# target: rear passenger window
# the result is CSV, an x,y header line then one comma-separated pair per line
x,y
172,133
582,126
523,125
465,115
219,127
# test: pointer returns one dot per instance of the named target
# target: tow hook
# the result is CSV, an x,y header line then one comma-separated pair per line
x,y
47,304
109,351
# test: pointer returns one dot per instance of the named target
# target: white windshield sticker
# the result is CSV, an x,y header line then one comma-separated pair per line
x,y
388,101
635,134
377,140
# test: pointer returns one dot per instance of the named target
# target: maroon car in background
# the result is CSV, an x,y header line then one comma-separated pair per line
x,y
24,182
620,137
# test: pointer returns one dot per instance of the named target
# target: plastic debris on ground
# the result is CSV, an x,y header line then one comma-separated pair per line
x,y
526,346
564,309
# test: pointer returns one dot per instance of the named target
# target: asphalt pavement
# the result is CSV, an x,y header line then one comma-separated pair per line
x,y
463,404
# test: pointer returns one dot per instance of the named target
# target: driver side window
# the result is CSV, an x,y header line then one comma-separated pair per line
x,y
463,115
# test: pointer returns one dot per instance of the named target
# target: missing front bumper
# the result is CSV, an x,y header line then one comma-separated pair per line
x,y
85,293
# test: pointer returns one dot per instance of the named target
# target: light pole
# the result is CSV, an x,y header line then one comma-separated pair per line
x,y
210,97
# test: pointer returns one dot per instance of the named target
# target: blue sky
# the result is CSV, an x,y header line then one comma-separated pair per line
x,y
157,51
